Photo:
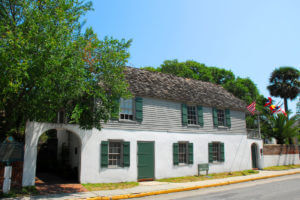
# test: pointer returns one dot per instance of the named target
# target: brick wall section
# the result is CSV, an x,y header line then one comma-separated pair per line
x,y
17,171
278,149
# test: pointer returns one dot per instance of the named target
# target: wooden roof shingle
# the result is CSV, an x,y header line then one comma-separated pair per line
x,y
170,87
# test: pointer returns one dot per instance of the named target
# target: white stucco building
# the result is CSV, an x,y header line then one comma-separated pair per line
x,y
170,126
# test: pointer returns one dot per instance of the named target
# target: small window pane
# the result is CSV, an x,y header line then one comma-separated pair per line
x,y
221,117
182,151
192,118
114,154
216,151
126,109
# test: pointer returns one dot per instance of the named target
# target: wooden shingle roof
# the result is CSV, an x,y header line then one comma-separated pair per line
x,y
170,87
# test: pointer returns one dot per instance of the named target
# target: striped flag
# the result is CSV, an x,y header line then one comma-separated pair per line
x,y
251,107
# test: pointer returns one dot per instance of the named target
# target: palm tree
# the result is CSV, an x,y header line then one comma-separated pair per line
x,y
281,128
284,83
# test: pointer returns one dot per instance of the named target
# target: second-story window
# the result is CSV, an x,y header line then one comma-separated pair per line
x,y
221,118
126,109
191,114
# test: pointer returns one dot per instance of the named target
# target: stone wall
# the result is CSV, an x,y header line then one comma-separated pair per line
x,y
280,154
278,149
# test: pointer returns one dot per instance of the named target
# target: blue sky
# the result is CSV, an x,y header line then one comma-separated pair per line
x,y
250,38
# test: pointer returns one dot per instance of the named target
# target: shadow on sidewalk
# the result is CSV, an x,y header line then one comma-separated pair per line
x,y
47,183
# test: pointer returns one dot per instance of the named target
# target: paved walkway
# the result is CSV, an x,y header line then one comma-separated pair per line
x,y
56,185
150,188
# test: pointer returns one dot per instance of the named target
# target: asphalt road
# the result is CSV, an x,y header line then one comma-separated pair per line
x,y
285,187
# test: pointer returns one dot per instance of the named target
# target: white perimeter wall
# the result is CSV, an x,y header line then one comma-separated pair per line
x,y
283,159
237,154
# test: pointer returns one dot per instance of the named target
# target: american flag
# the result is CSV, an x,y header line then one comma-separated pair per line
x,y
251,107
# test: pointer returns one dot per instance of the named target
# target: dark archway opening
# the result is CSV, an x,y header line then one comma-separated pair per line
x,y
58,158
254,155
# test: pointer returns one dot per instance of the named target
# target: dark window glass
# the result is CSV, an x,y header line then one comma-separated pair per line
x,y
192,117
216,151
221,118
182,150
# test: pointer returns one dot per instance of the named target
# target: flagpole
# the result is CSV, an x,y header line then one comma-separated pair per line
x,y
258,122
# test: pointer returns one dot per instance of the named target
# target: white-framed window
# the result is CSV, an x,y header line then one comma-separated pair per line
x,y
221,117
183,152
126,109
114,153
192,114
216,151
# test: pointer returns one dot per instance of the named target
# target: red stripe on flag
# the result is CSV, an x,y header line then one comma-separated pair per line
x,y
251,107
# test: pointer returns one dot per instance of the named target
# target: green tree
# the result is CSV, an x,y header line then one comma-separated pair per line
x,y
152,69
221,76
198,71
49,65
280,127
243,88
284,83
177,68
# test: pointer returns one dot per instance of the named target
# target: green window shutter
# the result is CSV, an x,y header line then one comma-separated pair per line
x,y
115,109
200,115
228,121
126,154
139,109
222,156
104,153
175,154
215,117
184,114
191,153
210,152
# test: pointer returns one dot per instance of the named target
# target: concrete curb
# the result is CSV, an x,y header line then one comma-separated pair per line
x,y
144,194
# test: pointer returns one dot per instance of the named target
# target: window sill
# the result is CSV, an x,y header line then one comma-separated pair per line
x,y
193,126
127,121
183,164
114,167
217,162
223,127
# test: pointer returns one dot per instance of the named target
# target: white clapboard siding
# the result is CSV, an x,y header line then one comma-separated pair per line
x,y
163,115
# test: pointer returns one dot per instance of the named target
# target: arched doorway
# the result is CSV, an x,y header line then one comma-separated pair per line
x,y
58,157
254,155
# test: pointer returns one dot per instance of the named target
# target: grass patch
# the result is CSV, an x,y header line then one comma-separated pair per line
x,y
109,186
25,191
282,167
208,177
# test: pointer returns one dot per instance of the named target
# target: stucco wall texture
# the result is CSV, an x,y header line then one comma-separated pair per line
x,y
237,152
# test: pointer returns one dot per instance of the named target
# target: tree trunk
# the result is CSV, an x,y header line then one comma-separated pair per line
x,y
286,107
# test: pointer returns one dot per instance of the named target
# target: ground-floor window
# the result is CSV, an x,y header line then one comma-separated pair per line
x,y
216,152
114,154
183,152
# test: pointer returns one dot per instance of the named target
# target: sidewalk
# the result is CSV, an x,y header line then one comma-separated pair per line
x,y
154,187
